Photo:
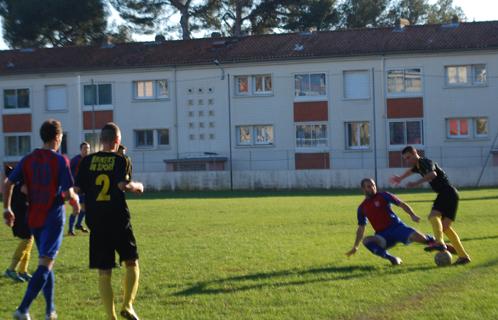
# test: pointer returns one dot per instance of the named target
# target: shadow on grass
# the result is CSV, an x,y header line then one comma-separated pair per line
x,y
480,238
262,280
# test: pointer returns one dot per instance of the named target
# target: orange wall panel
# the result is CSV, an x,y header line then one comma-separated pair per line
x,y
312,161
405,108
311,111
101,118
16,123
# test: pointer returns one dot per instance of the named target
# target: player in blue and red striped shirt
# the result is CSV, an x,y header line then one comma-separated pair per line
x,y
48,181
389,229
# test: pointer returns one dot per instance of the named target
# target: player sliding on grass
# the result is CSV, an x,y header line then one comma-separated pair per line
x,y
445,206
389,229
104,177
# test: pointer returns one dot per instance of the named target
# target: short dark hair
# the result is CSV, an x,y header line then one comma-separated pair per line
x,y
363,181
109,132
84,143
50,129
408,149
121,147
8,170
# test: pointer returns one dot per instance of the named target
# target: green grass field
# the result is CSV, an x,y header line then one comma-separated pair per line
x,y
270,255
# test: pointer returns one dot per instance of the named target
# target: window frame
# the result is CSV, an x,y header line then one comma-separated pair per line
x,y
66,98
94,142
471,76
252,142
16,135
369,91
358,132
471,127
16,107
251,85
308,97
404,92
405,133
264,92
316,146
97,96
155,90
155,139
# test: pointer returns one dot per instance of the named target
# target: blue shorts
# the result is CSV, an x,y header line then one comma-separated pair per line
x,y
398,232
48,238
82,198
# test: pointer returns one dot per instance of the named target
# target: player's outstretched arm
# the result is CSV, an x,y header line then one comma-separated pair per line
x,y
132,186
426,178
8,215
395,180
360,232
409,210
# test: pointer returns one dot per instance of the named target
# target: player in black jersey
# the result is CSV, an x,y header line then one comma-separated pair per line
x,y
104,178
445,206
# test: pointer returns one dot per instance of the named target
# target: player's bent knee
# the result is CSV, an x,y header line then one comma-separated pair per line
x,y
131,263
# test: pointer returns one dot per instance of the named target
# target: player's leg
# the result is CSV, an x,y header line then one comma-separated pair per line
x,y
16,259
377,245
106,293
463,256
72,221
24,262
81,217
128,253
435,218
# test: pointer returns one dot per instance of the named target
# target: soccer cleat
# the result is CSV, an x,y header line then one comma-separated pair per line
x,y
462,261
82,229
451,249
26,276
434,246
51,316
18,315
13,275
395,261
129,315
71,233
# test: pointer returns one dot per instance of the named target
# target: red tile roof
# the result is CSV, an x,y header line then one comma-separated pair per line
x,y
357,42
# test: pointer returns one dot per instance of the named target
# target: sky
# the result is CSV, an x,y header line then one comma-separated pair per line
x,y
475,10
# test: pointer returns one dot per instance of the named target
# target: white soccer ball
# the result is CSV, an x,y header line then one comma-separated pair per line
x,y
443,259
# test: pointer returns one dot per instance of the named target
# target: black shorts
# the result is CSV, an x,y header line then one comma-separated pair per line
x,y
20,228
447,202
105,242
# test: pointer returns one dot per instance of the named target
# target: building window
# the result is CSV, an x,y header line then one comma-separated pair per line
x,y
151,89
163,137
254,135
311,135
466,75
56,98
310,84
356,84
405,132
358,135
93,138
242,85
262,84
144,138
464,128
253,85
97,94
404,81
16,98
17,146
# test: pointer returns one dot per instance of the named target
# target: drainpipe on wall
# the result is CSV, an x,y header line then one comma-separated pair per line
x,y
175,102
374,129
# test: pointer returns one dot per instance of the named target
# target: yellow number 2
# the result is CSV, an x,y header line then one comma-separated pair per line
x,y
103,180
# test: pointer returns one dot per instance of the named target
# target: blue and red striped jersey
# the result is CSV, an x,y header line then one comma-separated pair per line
x,y
377,210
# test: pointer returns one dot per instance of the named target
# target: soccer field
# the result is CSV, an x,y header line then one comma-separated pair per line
x,y
277,255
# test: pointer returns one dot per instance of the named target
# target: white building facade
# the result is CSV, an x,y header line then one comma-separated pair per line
x,y
295,121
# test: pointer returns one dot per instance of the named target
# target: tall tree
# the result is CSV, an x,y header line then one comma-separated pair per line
x,y
444,11
148,16
231,17
415,11
34,23
362,13
309,14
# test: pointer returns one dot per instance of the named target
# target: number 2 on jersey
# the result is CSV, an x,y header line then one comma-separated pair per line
x,y
103,180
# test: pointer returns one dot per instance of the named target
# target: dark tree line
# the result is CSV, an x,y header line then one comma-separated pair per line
x,y
35,23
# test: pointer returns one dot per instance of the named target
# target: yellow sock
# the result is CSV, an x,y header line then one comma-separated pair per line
x,y
17,255
130,286
437,228
455,241
106,294
26,254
